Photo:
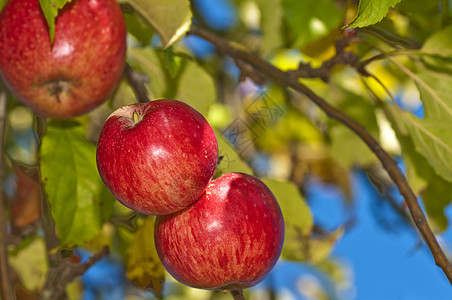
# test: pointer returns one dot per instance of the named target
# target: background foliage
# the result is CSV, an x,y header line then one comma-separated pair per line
x,y
403,99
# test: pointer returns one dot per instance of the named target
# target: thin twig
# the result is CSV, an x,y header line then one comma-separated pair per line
x,y
237,294
137,81
7,291
65,273
283,78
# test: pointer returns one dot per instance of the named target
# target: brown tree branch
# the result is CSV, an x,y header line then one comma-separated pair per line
x,y
6,287
137,81
237,294
271,73
65,273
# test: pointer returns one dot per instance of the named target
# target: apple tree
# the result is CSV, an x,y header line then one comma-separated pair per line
x,y
295,93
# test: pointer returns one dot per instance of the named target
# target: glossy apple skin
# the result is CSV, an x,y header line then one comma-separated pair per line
x,y
160,164
229,239
75,74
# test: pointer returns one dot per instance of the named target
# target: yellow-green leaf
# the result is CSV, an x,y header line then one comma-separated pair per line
x,y
144,267
171,19
79,201
194,75
30,264
297,216
371,12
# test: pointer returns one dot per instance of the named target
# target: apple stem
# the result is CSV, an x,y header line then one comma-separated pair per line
x,y
136,117
237,294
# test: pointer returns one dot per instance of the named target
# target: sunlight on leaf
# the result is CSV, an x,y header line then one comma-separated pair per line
x,y
143,265
439,43
199,98
298,219
31,265
50,10
79,201
309,20
171,19
371,12
433,139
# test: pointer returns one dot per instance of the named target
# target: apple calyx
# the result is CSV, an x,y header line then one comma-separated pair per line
x,y
58,88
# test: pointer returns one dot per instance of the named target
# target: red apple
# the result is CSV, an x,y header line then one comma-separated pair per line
x,y
78,71
158,157
229,239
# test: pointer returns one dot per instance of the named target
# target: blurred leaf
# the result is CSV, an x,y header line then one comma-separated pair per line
x,y
174,76
50,9
27,204
346,147
308,20
138,27
143,266
325,47
271,21
371,12
31,265
171,19
439,43
80,203
287,129
297,214
148,61
172,61
2,3
436,198
298,219
200,98
231,161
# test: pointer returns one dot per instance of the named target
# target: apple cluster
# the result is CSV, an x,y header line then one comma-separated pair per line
x,y
159,158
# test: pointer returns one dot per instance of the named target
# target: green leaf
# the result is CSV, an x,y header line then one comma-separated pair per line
x,y
436,198
143,265
50,9
309,20
231,161
171,19
30,264
148,61
79,201
371,12
174,76
271,20
193,75
439,43
355,151
432,135
2,3
436,192
138,27
298,219
433,139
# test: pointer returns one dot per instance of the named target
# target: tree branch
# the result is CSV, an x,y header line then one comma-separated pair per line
x,y
7,290
137,81
271,73
237,294
65,273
